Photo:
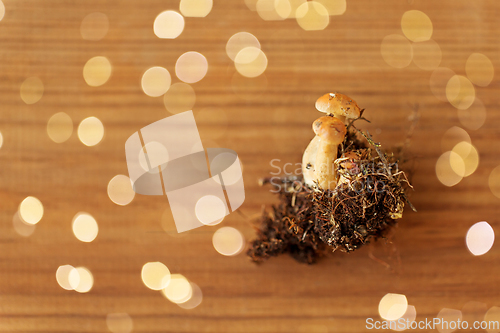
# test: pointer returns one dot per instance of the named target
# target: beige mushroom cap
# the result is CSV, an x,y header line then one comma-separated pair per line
x,y
330,129
339,105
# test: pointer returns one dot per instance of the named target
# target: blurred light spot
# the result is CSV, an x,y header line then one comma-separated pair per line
x,y
249,89
179,98
396,51
120,190
168,25
195,8
457,164
81,279
294,4
221,162
210,210
179,289
473,311
469,156
152,155
453,136
59,127
62,277
238,42
2,10
444,171
22,228
31,210
97,71
94,26
312,15
438,81
250,62
90,131
85,227
32,90
474,117
283,8
427,55
1,140
452,316
155,275
119,323
494,181
191,67
480,238
212,122
334,7
156,81
392,306
416,26
492,316
267,10
228,241
194,300
479,69
404,322
460,92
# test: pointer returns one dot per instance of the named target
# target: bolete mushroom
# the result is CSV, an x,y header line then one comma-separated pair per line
x,y
339,105
321,153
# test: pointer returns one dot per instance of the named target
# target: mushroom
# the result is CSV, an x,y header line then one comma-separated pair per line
x,y
330,133
339,105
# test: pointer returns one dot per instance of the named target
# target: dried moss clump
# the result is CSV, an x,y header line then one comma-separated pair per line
x,y
366,203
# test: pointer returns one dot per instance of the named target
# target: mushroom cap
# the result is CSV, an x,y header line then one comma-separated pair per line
x,y
338,105
330,129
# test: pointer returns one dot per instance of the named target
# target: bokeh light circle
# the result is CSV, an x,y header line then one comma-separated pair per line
x,y
228,241
238,42
31,210
120,190
479,69
155,275
250,62
312,15
460,92
168,25
156,81
179,98
97,71
480,238
85,227
416,26
191,67
392,306
90,131
94,26
59,127
31,90
396,51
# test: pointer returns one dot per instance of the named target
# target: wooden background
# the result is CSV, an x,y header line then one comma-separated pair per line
x,y
262,119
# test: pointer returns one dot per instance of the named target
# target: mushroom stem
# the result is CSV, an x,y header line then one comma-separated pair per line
x,y
326,173
309,161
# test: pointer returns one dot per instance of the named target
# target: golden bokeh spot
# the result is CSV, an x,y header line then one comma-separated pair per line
x,y
416,26
94,26
120,190
195,8
479,69
312,15
85,227
195,299
267,10
250,62
444,171
31,90
2,10
474,117
396,51
22,228
179,98
453,136
460,92
210,210
81,279
392,306
228,241
90,131
469,156
238,42
492,316
155,275
438,81
168,25
1,139
448,315
62,277
427,55
156,81
179,289
31,210
97,71
283,8
191,67
59,127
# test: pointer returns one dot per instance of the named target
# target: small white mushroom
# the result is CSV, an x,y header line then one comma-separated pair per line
x,y
339,105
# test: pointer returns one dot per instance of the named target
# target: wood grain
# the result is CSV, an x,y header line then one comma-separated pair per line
x,y
267,118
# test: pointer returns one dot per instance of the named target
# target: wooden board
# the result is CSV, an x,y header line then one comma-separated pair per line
x,y
261,119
